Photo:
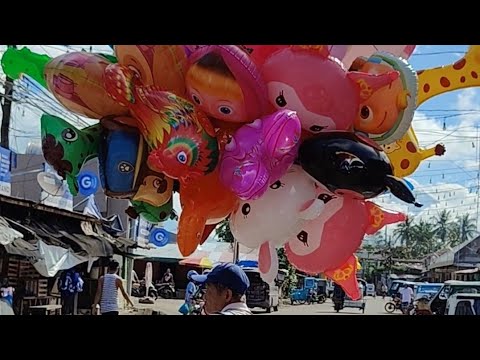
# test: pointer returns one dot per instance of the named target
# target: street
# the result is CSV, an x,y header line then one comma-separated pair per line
x,y
374,306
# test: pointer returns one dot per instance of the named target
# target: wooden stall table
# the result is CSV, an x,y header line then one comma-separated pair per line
x,y
46,310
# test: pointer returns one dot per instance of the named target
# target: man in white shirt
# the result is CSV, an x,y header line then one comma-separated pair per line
x,y
226,286
407,294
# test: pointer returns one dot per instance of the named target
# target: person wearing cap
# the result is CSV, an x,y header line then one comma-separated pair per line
x,y
226,285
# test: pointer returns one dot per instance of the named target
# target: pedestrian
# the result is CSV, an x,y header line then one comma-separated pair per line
x,y
107,291
167,277
406,294
190,293
69,285
6,298
226,285
384,291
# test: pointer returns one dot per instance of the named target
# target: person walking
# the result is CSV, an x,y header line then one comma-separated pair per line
x,y
107,291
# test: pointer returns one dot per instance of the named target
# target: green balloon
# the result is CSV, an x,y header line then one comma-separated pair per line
x,y
67,148
23,61
153,214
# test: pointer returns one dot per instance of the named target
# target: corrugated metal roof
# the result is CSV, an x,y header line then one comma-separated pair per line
x,y
56,232
448,258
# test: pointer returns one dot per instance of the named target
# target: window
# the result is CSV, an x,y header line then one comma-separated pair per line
x,y
464,308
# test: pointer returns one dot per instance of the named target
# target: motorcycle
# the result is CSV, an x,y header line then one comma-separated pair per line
x,y
139,290
396,304
338,303
316,298
165,290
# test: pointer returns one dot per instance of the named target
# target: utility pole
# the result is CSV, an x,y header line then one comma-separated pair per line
x,y
6,111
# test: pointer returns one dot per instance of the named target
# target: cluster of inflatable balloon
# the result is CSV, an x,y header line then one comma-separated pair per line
x,y
290,142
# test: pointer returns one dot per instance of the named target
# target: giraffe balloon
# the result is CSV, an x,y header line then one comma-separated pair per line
x,y
406,154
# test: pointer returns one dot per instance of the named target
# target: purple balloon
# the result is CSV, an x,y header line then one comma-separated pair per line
x,y
260,153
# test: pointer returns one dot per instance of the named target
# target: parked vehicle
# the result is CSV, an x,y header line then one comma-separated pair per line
x,y
370,291
309,290
397,284
341,301
427,290
451,287
165,290
463,304
139,290
260,294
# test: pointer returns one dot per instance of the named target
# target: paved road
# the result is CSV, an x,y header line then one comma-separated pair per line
x,y
374,306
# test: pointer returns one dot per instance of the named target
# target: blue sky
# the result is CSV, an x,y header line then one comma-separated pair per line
x,y
447,182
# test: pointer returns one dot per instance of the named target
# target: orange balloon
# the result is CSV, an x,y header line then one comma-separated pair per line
x,y
204,202
76,81
161,65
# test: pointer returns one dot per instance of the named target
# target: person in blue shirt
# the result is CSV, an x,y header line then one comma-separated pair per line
x,y
191,290
69,284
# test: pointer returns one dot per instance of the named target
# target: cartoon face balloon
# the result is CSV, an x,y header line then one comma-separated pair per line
x,y
161,65
260,153
225,84
67,148
351,165
325,95
152,214
353,52
387,114
76,81
279,213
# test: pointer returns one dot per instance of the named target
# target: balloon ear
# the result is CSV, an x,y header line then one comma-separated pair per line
x,y
268,262
369,83
379,217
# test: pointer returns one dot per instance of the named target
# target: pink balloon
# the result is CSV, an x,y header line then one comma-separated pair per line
x,y
380,217
324,94
355,51
260,153
268,262
327,242
279,213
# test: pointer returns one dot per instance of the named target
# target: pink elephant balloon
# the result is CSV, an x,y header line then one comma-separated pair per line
x,y
324,94
260,153
326,242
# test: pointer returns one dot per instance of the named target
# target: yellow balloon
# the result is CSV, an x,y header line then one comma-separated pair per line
x,y
359,267
462,74
406,154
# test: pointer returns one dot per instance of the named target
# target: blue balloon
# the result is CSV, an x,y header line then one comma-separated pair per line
x,y
159,237
87,183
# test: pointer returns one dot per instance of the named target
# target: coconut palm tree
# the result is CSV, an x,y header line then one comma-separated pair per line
x,y
468,229
443,223
425,241
405,232
454,233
